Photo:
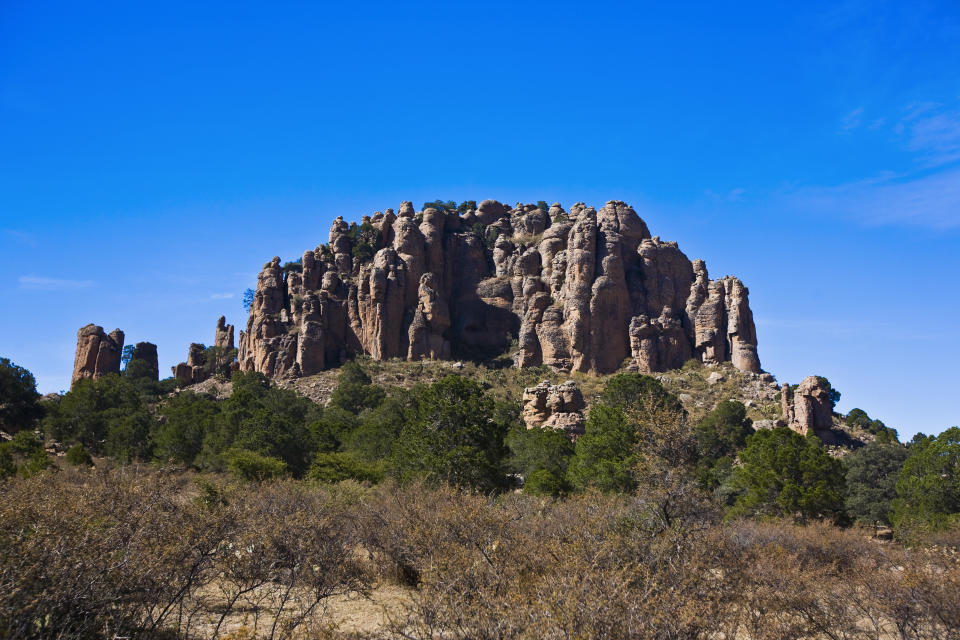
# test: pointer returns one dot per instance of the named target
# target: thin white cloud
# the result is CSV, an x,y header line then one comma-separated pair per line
x,y
931,200
22,237
221,296
851,120
936,137
53,284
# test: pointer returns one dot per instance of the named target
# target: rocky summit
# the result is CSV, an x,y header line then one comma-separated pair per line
x,y
580,290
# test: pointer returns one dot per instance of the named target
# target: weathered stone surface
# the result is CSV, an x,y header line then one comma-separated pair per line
x,y
808,408
554,407
224,336
98,353
196,368
146,352
579,290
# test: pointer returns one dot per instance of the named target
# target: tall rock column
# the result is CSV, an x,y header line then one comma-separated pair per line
x,y
98,353
224,336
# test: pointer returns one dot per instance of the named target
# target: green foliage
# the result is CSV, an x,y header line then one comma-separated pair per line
x,y
26,443
249,465
487,235
834,394
541,456
871,481
106,415
8,466
127,354
606,453
451,436
375,434
293,265
37,462
78,456
720,435
335,466
928,487
543,206
264,419
634,419
138,369
185,419
247,299
786,474
19,401
448,206
638,394
26,448
858,418
216,361
365,238
467,205
355,391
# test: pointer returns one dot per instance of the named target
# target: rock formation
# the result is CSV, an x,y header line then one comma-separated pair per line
x,y
557,406
808,407
579,290
224,335
98,353
146,353
196,368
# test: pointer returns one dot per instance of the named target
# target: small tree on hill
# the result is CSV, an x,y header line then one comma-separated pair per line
x,y
871,481
786,474
19,401
928,486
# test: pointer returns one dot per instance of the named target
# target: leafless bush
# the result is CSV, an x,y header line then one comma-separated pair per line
x,y
128,552
135,552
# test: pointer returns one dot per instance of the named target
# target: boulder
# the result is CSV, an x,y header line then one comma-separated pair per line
x,y
808,407
555,407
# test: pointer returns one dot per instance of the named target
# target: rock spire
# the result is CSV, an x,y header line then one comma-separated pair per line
x,y
98,353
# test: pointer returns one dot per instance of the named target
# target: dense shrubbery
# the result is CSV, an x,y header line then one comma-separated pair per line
x,y
928,485
19,401
88,554
785,474
871,481
638,438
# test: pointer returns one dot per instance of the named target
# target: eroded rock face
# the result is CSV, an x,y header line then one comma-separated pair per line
x,y
196,368
98,353
146,352
579,290
557,406
224,335
808,408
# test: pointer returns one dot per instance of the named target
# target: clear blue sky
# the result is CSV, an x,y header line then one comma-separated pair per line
x,y
154,156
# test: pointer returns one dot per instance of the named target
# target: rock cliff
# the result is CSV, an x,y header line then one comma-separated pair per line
x,y
580,290
98,353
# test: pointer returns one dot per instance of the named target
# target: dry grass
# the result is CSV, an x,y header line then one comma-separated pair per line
x,y
135,552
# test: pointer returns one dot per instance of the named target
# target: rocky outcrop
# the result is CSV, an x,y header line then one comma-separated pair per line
x,y
98,353
224,335
580,290
146,354
557,406
203,363
808,407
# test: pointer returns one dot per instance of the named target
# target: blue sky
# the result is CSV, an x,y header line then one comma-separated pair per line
x,y
154,156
